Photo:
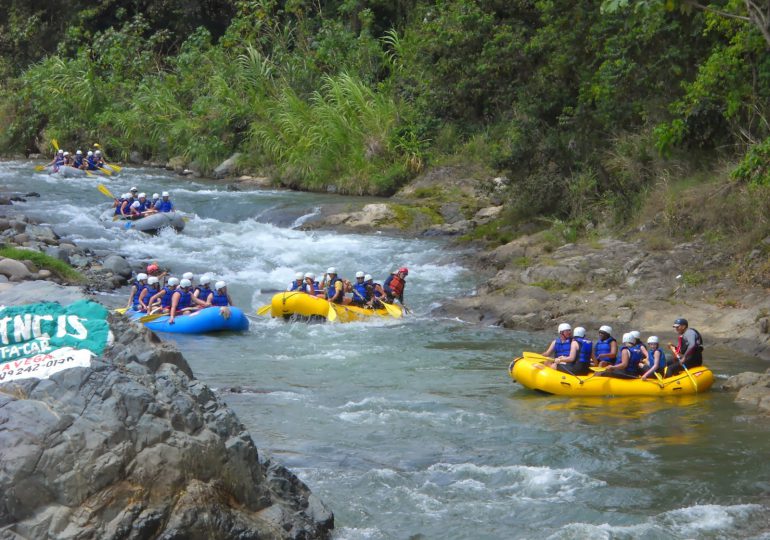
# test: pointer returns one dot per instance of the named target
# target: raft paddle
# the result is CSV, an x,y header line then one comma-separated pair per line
x,y
392,310
106,192
55,144
331,315
152,317
691,378
264,309
39,168
105,171
120,310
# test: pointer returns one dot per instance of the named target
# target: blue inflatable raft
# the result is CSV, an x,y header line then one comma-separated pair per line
x,y
205,321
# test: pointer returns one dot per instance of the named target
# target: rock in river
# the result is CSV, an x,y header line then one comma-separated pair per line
x,y
135,447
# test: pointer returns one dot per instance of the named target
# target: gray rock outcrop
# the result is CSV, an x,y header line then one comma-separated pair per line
x,y
227,167
134,447
752,389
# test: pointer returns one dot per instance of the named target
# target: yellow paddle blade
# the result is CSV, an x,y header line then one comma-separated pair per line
x,y
394,312
150,318
104,191
96,145
116,168
264,309
120,310
105,171
331,315
89,173
39,168
55,144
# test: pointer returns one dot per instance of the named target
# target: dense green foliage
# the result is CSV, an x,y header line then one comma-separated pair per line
x,y
584,108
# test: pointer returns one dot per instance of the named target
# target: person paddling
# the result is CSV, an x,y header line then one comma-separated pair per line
x,y
578,362
656,358
606,348
136,289
182,300
689,349
627,365
395,284
561,348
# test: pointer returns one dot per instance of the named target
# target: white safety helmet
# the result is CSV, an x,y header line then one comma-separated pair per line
x,y
165,194
90,153
66,153
173,282
564,326
60,151
331,270
579,332
79,153
359,274
152,280
299,275
205,279
636,334
98,153
136,204
219,285
155,196
133,189
368,277
310,275
142,195
187,275
653,339
185,283
606,329
141,276
628,338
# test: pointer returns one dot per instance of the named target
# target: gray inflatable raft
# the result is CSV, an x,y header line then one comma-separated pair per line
x,y
150,224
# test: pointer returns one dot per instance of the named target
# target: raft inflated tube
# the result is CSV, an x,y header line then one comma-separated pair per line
x,y
148,224
205,321
299,304
531,372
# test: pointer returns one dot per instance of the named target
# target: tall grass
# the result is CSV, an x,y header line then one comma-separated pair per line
x,y
344,135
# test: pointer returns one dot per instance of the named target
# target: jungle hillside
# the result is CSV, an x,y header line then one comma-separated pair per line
x,y
597,112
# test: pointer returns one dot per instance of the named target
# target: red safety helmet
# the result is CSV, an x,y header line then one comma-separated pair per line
x,y
404,270
151,268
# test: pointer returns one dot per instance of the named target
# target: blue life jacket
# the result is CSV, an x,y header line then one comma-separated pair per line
x,y
316,287
164,206
58,160
203,292
77,162
331,289
90,163
165,300
117,208
294,285
143,206
662,364
584,353
562,348
127,211
139,288
184,299
360,293
635,356
219,300
603,347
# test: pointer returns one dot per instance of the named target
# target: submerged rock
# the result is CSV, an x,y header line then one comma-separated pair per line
x,y
135,447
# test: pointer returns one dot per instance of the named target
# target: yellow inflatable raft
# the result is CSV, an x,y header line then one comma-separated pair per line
x,y
530,372
292,303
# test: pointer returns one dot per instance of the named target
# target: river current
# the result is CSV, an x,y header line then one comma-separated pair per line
x,y
412,428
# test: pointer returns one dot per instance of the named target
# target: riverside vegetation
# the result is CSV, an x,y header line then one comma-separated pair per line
x,y
609,113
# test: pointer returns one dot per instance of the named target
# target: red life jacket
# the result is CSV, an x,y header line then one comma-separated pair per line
x,y
397,286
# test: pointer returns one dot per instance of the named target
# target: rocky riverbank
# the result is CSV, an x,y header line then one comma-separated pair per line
x,y
132,446
135,447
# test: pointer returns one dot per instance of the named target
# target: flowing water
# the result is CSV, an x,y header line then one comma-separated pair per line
x,y
412,428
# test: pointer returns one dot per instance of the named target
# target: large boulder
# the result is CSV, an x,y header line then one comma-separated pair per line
x,y
134,447
227,167
14,270
117,265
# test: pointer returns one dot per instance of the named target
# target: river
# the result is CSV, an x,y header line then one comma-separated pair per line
x,y
412,428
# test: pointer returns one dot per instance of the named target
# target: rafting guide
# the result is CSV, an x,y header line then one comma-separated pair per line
x,y
41,339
